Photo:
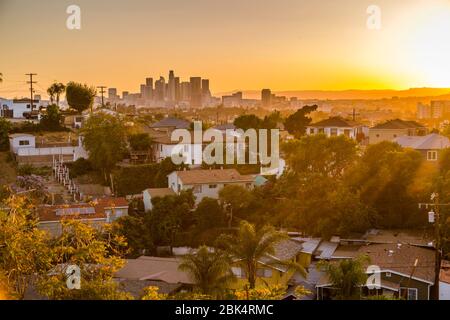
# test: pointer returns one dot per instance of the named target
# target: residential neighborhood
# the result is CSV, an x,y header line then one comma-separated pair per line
x,y
224,159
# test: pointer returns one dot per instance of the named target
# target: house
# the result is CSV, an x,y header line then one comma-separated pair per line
x,y
392,129
19,108
337,126
444,281
208,183
96,213
169,124
143,272
40,150
429,146
405,271
150,194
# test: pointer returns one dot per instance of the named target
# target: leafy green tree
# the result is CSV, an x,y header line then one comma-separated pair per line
x,y
55,91
235,200
296,123
105,141
209,214
249,245
97,252
384,176
318,154
136,232
347,276
24,249
211,271
5,127
140,142
79,96
169,217
246,122
52,118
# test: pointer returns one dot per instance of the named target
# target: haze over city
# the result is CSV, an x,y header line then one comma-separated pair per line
x,y
247,45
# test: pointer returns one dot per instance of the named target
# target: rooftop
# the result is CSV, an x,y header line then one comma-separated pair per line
x,y
336,122
212,176
160,192
93,210
430,142
172,123
399,124
154,268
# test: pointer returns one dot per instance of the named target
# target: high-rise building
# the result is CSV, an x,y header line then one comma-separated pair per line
x,y
185,91
149,89
171,86
142,91
112,94
125,94
160,89
206,93
266,98
196,92
177,89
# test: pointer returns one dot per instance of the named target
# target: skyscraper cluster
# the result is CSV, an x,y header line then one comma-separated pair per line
x,y
161,93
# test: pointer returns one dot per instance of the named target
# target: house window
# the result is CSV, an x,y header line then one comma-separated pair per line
x,y
238,272
197,189
432,155
24,143
264,273
347,132
333,132
409,293
311,130
213,186
321,130
161,147
388,274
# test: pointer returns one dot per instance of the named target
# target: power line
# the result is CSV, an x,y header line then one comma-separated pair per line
x,y
102,91
31,87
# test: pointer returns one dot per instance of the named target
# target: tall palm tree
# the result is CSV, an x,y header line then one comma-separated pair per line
x,y
249,246
211,271
55,91
347,276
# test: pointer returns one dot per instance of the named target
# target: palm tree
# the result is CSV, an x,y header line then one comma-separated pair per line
x,y
251,245
211,271
55,90
347,276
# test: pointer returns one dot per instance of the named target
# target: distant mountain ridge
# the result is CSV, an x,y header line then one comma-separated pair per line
x,y
443,93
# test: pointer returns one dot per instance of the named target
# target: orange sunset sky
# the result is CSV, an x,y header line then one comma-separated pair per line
x,y
237,44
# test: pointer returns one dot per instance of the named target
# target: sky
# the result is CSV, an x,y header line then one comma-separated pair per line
x,y
237,44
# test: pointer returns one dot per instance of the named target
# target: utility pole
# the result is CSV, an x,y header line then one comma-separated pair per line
x,y
31,88
434,216
102,91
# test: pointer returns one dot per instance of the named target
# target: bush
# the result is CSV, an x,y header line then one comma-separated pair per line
x,y
79,167
28,170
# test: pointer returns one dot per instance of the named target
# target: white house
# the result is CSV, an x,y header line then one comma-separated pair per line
x,y
27,150
430,146
208,183
149,194
337,126
15,108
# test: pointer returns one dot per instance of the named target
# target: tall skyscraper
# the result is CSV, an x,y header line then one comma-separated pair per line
x,y
266,98
149,88
160,89
196,92
171,87
206,93
177,89
112,94
185,91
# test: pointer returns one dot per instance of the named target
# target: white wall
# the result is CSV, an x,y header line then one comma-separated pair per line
x,y
444,291
15,142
